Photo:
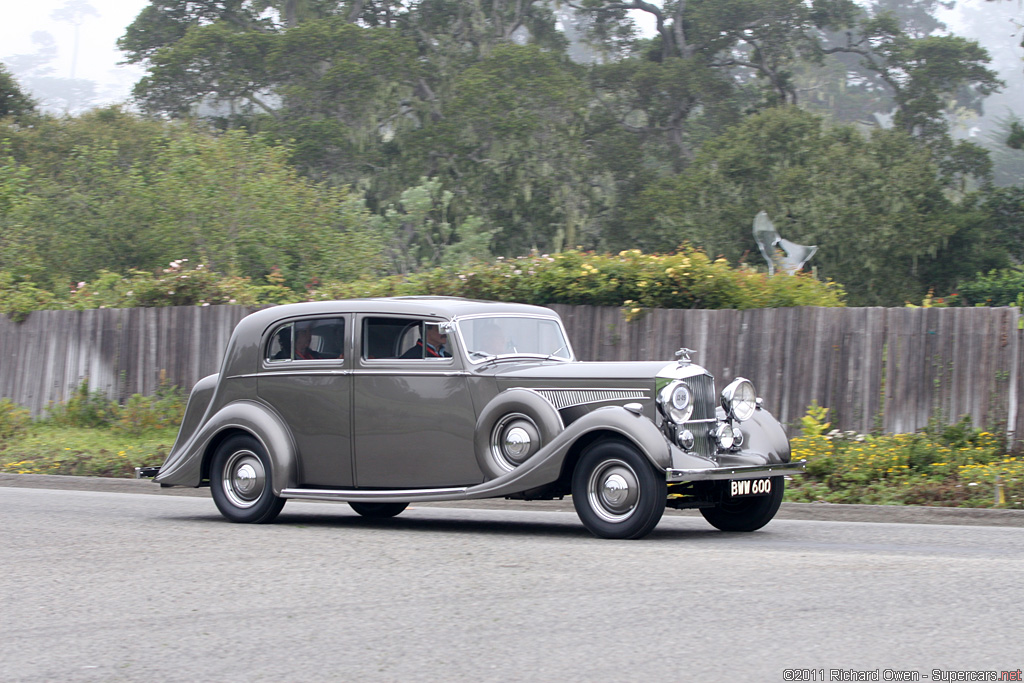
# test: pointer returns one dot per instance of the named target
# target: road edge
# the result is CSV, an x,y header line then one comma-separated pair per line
x,y
824,512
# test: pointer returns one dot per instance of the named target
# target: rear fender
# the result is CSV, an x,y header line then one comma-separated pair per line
x,y
188,460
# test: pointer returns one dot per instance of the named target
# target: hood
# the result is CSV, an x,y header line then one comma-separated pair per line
x,y
644,371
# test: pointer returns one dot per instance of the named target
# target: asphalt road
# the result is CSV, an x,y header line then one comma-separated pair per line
x,y
104,586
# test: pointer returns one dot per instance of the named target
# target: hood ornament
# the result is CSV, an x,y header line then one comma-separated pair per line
x,y
683,355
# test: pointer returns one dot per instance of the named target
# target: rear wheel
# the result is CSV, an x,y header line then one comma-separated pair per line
x,y
747,514
616,491
378,510
241,482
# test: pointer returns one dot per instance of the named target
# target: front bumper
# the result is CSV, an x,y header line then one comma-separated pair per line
x,y
673,475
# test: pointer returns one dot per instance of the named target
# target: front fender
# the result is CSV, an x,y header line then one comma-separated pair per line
x,y
546,465
184,464
762,433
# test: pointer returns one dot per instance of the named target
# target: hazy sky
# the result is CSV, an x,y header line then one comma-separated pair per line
x,y
97,50
98,55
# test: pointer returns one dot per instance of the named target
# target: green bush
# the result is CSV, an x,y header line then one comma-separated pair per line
x,y
83,409
631,279
1003,287
14,420
18,298
141,414
954,465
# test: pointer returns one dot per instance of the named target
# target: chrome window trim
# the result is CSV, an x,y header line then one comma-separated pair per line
x,y
271,330
291,371
555,319
388,372
359,327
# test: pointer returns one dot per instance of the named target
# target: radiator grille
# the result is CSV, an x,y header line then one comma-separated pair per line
x,y
704,402
703,440
704,399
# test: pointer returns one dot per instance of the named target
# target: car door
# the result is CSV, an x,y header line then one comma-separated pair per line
x,y
305,376
413,416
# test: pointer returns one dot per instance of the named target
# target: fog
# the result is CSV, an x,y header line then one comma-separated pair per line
x,y
38,45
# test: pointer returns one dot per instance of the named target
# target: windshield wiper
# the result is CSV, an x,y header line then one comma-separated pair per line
x,y
552,355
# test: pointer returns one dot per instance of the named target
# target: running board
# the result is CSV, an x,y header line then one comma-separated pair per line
x,y
376,496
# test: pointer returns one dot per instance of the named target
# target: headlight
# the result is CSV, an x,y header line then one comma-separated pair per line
x,y
724,436
676,402
739,399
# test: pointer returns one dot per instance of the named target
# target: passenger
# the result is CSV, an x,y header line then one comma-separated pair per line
x,y
434,347
303,338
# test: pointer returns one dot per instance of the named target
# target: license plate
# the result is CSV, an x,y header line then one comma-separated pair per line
x,y
741,488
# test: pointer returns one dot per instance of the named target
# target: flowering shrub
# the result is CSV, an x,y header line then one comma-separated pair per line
x,y
13,420
176,285
948,468
631,279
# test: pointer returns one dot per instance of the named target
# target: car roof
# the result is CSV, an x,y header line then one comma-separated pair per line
x,y
243,350
445,307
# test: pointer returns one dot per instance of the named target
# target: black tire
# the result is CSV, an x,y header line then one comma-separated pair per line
x,y
379,510
747,514
617,492
241,481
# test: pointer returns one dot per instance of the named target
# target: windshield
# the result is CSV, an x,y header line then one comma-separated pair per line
x,y
494,336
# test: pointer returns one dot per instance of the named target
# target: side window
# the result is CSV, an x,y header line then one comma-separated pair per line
x,y
403,338
280,347
318,339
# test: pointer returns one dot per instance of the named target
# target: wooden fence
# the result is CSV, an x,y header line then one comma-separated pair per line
x,y
892,369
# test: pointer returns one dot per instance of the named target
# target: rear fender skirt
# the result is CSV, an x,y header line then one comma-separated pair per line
x,y
184,466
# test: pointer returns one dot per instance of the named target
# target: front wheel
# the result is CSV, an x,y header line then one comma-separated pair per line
x,y
241,482
378,510
616,491
747,514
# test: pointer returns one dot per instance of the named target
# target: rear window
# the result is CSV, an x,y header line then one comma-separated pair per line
x,y
317,339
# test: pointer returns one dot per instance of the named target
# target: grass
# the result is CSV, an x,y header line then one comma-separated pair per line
x,y
44,448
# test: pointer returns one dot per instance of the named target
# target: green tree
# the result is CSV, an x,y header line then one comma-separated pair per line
x,y
511,146
422,235
874,205
13,100
110,191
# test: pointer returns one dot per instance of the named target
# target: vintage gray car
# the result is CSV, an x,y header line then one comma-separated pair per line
x,y
384,402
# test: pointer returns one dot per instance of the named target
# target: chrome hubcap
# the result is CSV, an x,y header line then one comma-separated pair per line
x,y
244,479
613,491
517,442
513,441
